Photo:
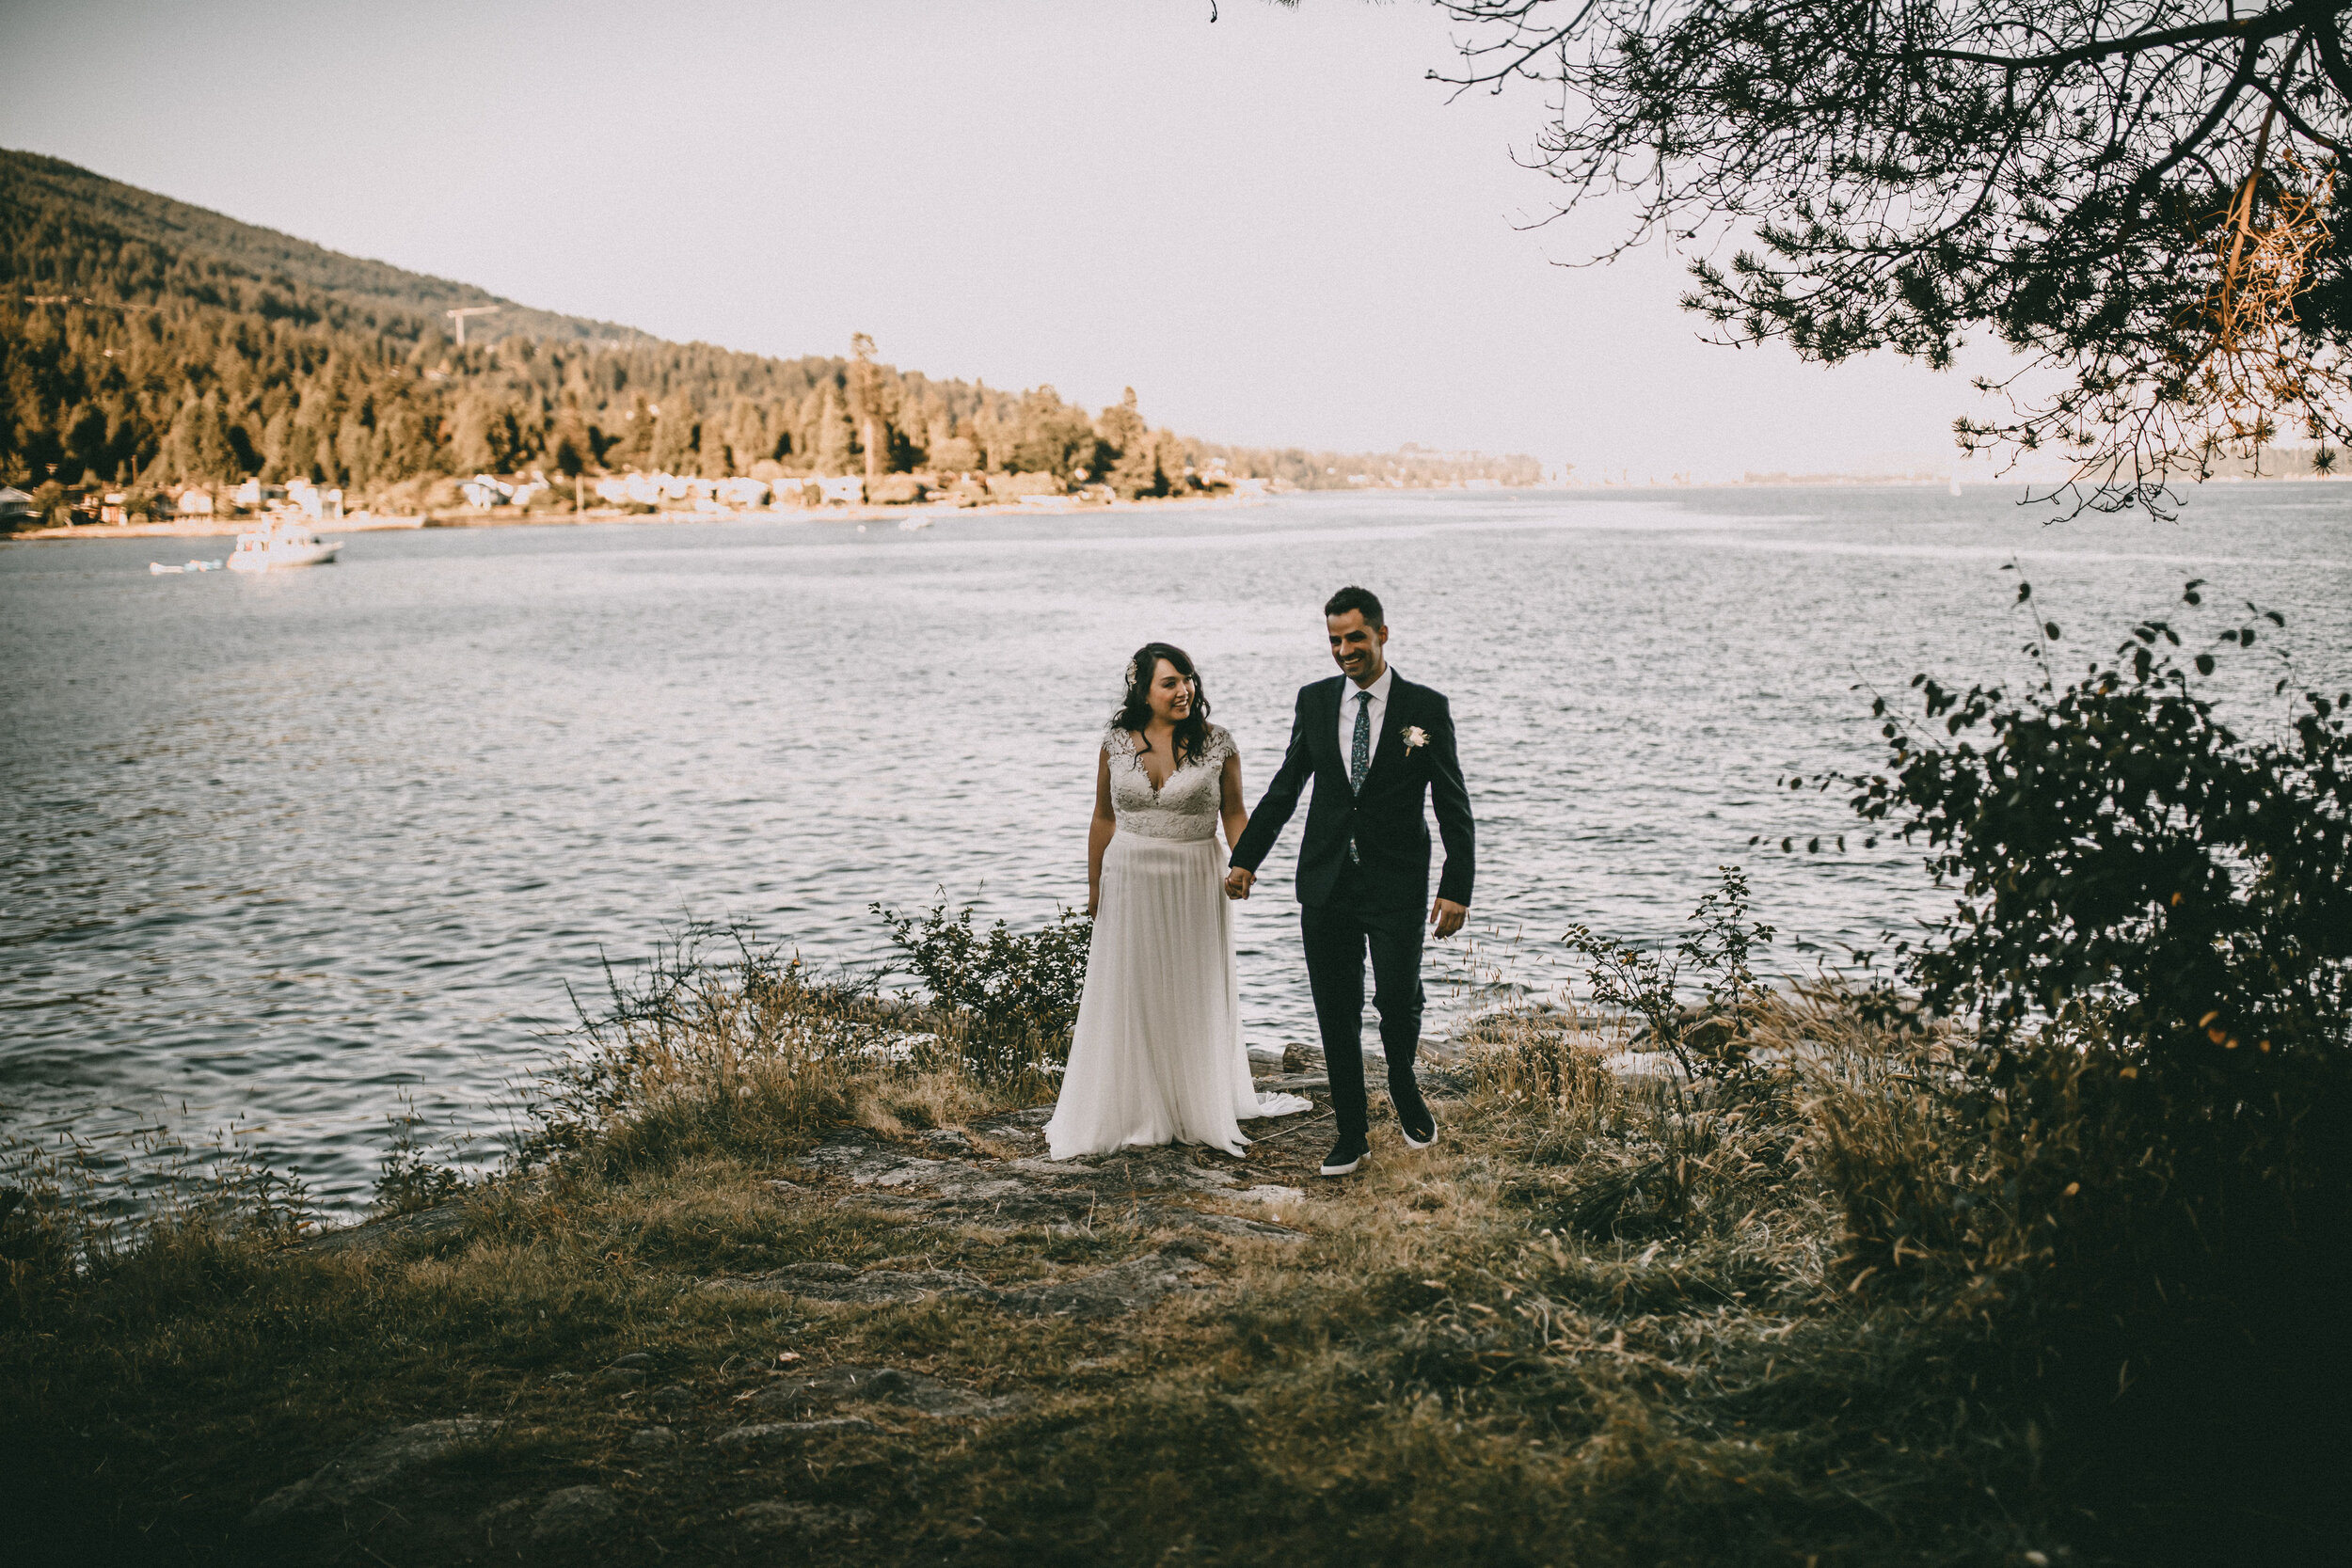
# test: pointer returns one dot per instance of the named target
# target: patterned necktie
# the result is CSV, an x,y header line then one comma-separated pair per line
x,y
1360,752
1359,760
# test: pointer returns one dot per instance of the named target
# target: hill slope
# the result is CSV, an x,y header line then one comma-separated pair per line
x,y
73,231
146,342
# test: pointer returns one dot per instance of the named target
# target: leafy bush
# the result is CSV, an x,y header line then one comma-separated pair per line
x,y
1649,983
2145,892
1641,1156
407,1177
1018,993
2115,844
2137,1151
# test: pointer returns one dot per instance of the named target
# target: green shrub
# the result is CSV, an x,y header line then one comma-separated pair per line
x,y
2116,845
407,1177
2135,1155
1017,994
1708,1040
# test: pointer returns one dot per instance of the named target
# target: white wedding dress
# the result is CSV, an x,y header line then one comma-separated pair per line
x,y
1157,1054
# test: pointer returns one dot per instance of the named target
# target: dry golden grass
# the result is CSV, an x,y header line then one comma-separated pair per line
x,y
1604,1321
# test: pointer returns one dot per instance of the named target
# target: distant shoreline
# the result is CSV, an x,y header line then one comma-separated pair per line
x,y
505,517
217,528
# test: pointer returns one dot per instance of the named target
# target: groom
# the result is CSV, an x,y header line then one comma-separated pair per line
x,y
1373,743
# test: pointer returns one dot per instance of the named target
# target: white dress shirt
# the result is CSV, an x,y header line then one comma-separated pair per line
x,y
1348,706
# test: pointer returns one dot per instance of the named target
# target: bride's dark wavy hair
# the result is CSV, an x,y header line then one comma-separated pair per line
x,y
1134,708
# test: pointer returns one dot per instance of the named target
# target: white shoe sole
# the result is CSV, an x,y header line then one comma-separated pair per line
x,y
1411,1142
1349,1168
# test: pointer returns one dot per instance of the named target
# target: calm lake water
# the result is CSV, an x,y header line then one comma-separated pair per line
x,y
279,852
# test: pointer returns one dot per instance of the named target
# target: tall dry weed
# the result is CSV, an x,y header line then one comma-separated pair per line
x,y
1524,1062
723,1045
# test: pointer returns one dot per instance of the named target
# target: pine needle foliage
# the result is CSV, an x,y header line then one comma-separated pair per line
x,y
2137,197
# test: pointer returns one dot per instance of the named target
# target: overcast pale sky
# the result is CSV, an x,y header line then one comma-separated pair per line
x,y
1271,226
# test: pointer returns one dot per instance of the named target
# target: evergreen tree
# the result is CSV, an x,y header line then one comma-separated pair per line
x,y
471,444
748,439
2137,196
997,437
873,404
834,440
192,348
634,450
277,437
675,437
1125,442
1173,462
711,460
1052,438
569,446
351,450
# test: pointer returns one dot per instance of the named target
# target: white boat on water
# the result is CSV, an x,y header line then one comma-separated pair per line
x,y
280,545
156,568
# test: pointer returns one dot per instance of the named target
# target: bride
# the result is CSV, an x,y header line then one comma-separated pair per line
x,y
1156,1056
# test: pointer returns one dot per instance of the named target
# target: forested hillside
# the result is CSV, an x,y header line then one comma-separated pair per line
x,y
146,342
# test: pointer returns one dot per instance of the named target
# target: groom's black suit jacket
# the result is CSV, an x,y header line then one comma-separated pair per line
x,y
1392,834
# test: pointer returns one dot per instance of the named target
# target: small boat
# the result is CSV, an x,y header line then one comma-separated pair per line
x,y
156,568
283,543
1955,484
915,525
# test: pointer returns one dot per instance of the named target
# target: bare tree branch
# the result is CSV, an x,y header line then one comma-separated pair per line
x,y
2102,185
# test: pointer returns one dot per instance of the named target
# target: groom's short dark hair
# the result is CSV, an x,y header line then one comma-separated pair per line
x,y
1352,597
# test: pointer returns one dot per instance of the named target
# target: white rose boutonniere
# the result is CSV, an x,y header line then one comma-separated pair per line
x,y
1415,738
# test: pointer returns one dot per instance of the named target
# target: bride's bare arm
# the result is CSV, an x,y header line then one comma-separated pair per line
x,y
1098,832
1230,806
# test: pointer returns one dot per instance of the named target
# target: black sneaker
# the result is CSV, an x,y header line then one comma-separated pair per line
x,y
1413,1116
1352,1149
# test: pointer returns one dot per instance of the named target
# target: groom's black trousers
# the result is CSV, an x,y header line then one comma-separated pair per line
x,y
1338,935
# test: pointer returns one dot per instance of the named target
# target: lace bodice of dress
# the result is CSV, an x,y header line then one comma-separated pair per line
x,y
1186,807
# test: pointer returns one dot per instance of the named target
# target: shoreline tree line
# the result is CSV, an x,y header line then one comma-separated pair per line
x,y
146,343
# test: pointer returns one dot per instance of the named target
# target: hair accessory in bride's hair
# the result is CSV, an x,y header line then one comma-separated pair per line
x,y
1130,674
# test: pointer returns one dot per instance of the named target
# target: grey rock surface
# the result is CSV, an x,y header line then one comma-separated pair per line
x,y
964,1177
837,1282
1136,1185
1304,1083
799,1397
1015,1124
761,1431
440,1220
575,1514
1234,1225
371,1465
801,1519
1120,1289
500,1517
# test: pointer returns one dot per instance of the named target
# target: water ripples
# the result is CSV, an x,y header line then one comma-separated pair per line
x,y
283,850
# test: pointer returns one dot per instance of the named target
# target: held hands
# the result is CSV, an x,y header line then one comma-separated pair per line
x,y
1446,917
1238,881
